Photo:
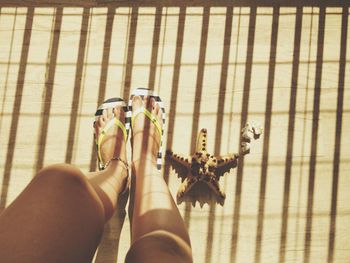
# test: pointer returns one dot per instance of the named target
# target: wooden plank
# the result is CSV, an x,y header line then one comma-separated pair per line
x,y
216,66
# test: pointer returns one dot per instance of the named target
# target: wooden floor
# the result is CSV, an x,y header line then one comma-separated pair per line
x,y
216,66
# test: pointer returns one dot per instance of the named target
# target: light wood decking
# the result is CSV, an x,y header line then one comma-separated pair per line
x,y
216,65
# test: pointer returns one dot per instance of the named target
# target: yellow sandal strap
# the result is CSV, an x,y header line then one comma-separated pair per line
x,y
148,115
109,125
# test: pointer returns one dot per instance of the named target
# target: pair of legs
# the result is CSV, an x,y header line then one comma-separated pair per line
x,y
60,215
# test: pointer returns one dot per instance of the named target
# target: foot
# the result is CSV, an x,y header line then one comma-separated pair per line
x,y
113,144
113,180
146,138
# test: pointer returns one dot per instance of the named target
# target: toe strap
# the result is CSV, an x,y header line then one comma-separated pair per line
x,y
104,131
148,115
118,123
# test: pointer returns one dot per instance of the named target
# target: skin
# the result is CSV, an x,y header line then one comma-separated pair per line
x,y
158,231
60,215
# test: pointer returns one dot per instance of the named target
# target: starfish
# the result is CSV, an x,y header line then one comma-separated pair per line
x,y
202,170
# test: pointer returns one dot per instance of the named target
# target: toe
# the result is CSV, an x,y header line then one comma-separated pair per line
x,y
100,122
109,113
119,113
96,126
104,115
157,108
153,106
160,115
136,102
116,112
148,102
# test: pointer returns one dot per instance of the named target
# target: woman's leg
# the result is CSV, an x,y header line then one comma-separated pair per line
x,y
113,180
60,215
158,231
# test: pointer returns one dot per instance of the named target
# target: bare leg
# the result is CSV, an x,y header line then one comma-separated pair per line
x,y
60,215
158,231
111,181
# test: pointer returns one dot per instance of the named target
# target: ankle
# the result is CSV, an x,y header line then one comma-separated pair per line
x,y
117,167
144,159
108,154
145,152
144,165
117,162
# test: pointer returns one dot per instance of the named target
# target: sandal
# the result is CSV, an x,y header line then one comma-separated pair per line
x,y
142,92
111,103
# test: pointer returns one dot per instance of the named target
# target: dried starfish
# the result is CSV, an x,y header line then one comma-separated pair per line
x,y
204,168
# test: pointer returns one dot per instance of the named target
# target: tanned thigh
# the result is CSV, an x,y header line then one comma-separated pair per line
x,y
57,218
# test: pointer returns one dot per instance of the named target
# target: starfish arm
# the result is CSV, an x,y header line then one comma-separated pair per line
x,y
180,159
201,145
185,186
181,164
226,163
215,186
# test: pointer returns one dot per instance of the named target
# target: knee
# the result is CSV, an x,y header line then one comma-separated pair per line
x,y
69,179
160,246
63,174
71,182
